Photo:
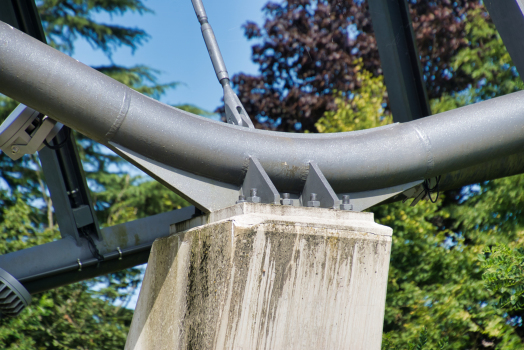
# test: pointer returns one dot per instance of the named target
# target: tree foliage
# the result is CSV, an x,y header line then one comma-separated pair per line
x,y
505,274
64,21
307,53
362,110
454,279
440,294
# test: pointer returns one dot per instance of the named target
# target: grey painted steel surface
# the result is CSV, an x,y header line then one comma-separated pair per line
x,y
508,17
40,268
399,58
317,189
108,111
55,182
22,14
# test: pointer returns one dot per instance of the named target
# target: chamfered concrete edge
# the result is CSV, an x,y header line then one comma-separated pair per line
x,y
250,214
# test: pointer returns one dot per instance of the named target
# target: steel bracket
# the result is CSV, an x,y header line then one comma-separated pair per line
x,y
366,199
206,194
235,112
24,132
317,191
257,186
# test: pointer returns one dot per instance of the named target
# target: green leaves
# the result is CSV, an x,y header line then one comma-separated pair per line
x,y
67,318
504,274
438,294
486,59
363,110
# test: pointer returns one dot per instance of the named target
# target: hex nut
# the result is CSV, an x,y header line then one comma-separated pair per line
x,y
287,201
254,199
241,199
346,206
313,204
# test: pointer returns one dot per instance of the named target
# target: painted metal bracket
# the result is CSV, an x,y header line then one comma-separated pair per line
x,y
206,194
317,191
366,199
257,187
209,195
25,131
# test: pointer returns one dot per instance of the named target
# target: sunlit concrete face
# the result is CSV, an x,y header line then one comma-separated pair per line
x,y
259,276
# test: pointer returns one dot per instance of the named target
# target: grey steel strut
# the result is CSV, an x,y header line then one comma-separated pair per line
x,y
235,111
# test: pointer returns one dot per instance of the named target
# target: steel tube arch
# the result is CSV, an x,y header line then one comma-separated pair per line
x,y
107,111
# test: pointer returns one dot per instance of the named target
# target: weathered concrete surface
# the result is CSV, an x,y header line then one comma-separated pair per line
x,y
266,277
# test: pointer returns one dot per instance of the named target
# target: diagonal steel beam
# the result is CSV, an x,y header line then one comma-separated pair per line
x,y
61,262
399,59
508,16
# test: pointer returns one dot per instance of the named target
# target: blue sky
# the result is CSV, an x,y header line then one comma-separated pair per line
x,y
177,49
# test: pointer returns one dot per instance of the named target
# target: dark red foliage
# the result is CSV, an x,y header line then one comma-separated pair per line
x,y
307,50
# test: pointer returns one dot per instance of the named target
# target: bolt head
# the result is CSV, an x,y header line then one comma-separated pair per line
x,y
15,149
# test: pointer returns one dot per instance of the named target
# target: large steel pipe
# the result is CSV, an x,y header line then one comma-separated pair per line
x,y
105,110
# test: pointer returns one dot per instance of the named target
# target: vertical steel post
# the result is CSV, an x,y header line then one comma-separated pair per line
x,y
400,59
508,16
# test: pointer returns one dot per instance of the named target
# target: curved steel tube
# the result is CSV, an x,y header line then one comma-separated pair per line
x,y
105,110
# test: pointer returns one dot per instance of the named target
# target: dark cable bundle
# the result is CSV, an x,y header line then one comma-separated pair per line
x,y
428,190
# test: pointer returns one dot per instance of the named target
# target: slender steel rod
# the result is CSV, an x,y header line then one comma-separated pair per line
x,y
235,112
105,110
211,42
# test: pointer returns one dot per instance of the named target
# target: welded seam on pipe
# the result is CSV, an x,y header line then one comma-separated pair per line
x,y
430,163
121,116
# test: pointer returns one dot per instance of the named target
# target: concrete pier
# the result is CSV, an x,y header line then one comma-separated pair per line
x,y
256,276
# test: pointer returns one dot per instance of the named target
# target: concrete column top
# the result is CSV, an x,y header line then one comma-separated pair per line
x,y
249,214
